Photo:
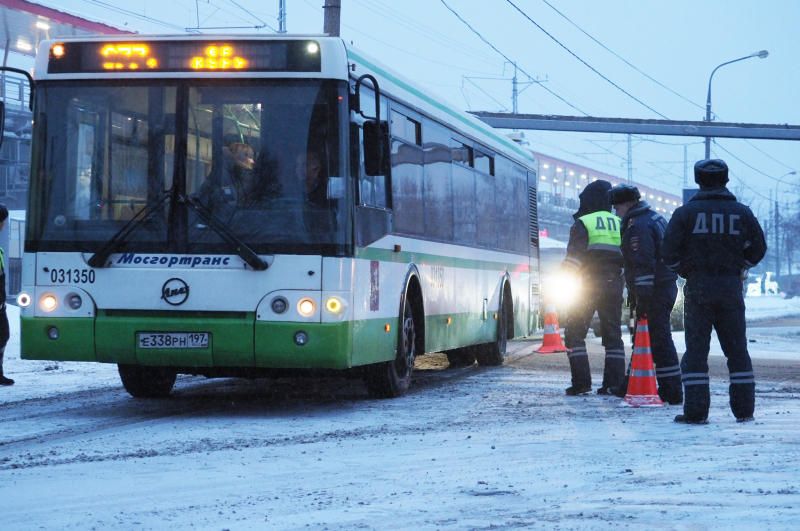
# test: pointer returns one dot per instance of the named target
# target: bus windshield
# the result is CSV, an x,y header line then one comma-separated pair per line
x,y
265,158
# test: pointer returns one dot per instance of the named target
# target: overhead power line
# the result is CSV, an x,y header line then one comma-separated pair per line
x,y
576,56
651,78
493,47
618,56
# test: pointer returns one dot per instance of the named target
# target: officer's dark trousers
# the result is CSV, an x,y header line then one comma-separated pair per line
x,y
716,302
4,335
604,295
665,357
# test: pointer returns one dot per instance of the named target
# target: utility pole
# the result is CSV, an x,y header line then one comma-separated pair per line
x,y
777,239
281,16
685,166
333,11
630,160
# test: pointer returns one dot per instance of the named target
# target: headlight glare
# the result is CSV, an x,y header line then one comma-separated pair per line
x,y
306,307
48,302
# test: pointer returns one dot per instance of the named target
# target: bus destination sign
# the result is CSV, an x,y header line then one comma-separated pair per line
x,y
185,56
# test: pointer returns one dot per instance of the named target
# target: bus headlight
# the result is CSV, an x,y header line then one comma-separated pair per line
x,y
334,305
24,300
74,301
48,302
306,307
279,304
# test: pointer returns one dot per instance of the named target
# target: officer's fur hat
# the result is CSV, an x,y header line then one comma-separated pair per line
x,y
711,173
622,193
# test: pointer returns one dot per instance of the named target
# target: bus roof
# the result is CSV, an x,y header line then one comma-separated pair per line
x,y
338,59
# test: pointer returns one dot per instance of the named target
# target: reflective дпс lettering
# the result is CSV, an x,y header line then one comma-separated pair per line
x,y
718,225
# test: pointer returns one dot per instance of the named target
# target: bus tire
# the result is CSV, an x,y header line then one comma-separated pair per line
x,y
146,382
494,353
391,379
461,357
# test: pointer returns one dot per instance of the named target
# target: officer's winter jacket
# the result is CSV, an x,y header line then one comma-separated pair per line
x,y
642,233
713,235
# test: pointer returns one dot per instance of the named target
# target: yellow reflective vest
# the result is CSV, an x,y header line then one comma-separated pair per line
x,y
604,231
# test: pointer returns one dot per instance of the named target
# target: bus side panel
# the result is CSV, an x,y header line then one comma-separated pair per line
x,y
75,341
520,290
376,305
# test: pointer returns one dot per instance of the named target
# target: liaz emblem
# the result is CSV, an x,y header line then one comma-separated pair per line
x,y
175,292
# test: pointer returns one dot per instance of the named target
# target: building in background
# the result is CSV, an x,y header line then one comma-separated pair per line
x,y
561,181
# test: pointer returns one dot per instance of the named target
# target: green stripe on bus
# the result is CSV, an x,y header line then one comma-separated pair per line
x,y
405,257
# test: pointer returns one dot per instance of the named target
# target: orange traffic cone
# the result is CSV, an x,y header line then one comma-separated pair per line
x,y
552,336
642,389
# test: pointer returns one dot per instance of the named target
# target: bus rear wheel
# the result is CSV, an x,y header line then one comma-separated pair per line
x,y
146,382
391,379
493,354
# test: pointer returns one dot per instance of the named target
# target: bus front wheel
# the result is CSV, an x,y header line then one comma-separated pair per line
x,y
391,379
146,382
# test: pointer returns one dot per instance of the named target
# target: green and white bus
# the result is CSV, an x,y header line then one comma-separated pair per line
x,y
239,205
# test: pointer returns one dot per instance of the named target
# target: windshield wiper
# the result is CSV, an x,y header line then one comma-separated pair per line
x,y
242,249
100,258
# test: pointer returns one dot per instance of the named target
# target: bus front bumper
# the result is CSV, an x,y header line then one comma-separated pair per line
x,y
232,342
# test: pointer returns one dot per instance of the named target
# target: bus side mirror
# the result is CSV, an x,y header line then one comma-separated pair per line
x,y
2,122
376,147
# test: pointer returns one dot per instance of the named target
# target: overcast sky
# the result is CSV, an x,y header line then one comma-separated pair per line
x,y
675,42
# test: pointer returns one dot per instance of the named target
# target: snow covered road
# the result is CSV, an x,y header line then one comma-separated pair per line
x,y
467,448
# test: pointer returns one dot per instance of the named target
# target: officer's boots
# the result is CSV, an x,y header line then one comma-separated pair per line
x,y
3,379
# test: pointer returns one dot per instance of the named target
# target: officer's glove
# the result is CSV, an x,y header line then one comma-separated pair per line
x,y
644,299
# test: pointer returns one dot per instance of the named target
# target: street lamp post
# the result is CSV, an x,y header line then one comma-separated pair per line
x,y
777,223
761,55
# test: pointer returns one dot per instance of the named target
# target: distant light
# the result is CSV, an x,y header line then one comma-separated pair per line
x,y
24,45
583,176
42,25
555,180
559,169
312,47
58,50
571,173
544,178
545,165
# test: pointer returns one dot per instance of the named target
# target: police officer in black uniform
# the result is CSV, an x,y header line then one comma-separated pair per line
x,y
4,335
651,285
593,252
711,241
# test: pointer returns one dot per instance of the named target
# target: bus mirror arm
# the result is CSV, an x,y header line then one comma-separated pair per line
x,y
357,97
242,249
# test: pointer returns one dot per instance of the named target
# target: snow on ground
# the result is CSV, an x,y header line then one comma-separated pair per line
x,y
770,307
473,448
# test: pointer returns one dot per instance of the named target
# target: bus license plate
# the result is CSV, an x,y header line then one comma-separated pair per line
x,y
172,339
